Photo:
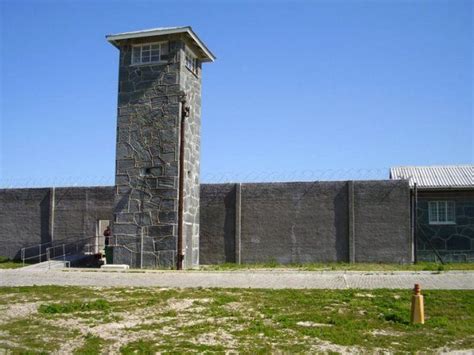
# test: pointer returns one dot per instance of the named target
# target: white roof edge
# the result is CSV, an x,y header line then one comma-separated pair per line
x,y
113,38
431,166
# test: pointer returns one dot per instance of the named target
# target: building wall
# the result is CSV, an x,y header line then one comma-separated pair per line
x,y
454,242
32,216
307,222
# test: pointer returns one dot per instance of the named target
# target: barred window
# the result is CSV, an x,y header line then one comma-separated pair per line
x,y
191,62
442,212
149,53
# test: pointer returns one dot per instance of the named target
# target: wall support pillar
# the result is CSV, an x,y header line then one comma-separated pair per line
x,y
238,206
351,221
52,202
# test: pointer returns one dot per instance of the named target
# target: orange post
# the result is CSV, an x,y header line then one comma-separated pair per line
x,y
417,306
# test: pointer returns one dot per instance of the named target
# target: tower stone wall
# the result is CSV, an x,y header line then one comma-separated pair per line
x,y
152,101
191,84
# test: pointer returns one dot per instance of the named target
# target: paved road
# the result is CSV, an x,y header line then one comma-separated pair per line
x,y
242,279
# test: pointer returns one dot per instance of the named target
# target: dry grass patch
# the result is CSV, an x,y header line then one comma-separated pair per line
x,y
148,320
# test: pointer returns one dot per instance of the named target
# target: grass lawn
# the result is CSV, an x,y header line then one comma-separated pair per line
x,y
147,320
422,266
9,264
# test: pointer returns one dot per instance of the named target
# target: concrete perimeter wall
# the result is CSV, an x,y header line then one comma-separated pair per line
x,y
298,222
33,216
301,222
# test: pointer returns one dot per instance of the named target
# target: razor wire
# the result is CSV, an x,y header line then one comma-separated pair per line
x,y
211,177
60,181
296,175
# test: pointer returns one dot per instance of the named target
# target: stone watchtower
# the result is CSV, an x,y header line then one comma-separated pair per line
x,y
156,216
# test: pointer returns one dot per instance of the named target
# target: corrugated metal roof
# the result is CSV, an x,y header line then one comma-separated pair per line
x,y
436,177
161,31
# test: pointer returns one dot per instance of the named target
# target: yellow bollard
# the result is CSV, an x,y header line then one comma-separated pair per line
x,y
417,306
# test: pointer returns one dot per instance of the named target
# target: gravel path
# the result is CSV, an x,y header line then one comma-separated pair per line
x,y
450,280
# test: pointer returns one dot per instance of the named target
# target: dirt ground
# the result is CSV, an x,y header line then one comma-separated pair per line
x,y
82,320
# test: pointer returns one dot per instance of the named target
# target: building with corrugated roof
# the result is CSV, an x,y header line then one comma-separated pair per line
x,y
442,210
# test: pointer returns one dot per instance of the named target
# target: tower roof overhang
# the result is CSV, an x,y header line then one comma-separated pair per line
x,y
204,53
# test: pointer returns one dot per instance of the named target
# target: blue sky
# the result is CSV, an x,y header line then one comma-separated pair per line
x,y
297,86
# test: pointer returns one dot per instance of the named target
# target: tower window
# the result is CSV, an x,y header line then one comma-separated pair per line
x,y
191,61
149,53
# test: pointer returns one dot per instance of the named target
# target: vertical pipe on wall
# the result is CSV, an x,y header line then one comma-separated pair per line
x,y
238,204
351,221
184,112
415,207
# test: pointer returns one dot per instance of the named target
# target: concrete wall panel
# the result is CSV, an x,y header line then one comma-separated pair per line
x,y
307,222
217,242
24,219
382,221
294,222
27,216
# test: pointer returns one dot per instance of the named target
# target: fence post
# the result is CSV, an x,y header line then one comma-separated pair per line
x,y
64,252
23,256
